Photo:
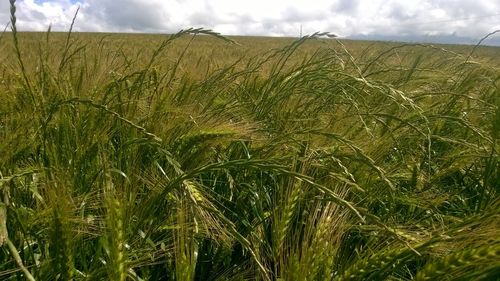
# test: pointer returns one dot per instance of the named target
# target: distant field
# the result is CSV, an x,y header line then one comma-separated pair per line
x,y
209,52
181,157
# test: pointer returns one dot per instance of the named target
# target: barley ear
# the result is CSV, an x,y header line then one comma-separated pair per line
x,y
459,260
16,45
61,246
116,243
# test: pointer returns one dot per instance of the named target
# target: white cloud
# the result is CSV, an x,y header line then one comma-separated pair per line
x,y
35,15
390,18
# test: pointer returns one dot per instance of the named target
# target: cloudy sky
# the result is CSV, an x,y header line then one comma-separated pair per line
x,y
458,21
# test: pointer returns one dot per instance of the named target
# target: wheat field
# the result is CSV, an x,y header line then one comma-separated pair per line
x,y
195,156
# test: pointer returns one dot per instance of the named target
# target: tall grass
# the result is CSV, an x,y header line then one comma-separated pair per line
x,y
289,165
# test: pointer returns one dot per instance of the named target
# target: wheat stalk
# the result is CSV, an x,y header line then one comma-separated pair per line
x,y
61,251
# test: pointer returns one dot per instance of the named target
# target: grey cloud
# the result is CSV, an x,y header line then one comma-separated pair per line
x,y
293,14
128,14
271,25
243,18
346,6
202,19
206,17
465,8
4,13
397,11
36,15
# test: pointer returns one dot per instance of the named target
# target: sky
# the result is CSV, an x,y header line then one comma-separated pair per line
x,y
435,21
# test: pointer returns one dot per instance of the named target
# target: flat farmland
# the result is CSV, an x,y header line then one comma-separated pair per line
x,y
196,156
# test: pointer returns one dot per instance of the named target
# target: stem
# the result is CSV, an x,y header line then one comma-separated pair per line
x,y
17,258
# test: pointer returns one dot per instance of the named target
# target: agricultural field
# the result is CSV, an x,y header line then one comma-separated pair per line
x,y
196,156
